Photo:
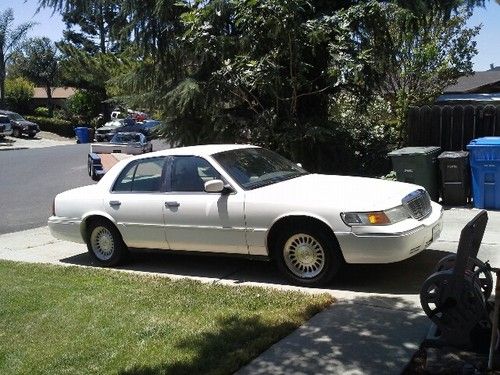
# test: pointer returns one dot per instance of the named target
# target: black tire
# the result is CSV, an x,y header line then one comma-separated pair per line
x,y
31,135
317,267
16,133
89,167
105,244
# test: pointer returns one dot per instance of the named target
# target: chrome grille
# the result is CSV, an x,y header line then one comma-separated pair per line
x,y
418,203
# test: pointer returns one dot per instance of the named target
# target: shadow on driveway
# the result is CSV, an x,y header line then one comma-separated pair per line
x,y
404,277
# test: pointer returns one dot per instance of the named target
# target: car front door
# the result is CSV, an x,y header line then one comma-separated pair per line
x,y
199,221
136,202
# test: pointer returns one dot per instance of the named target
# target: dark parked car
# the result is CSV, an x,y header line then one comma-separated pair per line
x,y
20,125
106,132
5,127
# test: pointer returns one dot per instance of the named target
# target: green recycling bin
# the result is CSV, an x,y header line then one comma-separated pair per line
x,y
418,165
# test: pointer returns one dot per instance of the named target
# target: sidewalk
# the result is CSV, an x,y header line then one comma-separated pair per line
x,y
42,139
374,327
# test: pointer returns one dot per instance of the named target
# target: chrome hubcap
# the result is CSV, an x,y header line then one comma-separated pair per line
x,y
304,256
102,243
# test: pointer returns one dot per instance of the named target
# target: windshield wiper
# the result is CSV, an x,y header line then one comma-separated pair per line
x,y
274,180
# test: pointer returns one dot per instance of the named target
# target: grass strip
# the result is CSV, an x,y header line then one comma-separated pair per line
x,y
71,320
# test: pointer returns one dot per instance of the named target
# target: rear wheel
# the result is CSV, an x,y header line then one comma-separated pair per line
x,y
307,255
105,244
32,135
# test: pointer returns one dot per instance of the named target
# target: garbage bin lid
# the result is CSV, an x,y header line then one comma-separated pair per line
x,y
485,141
453,155
424,150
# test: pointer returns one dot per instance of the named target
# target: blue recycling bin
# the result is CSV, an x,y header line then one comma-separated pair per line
x,y
82,134
485,168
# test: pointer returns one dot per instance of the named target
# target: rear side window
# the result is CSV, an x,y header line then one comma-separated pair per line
x,y
141,176
4,120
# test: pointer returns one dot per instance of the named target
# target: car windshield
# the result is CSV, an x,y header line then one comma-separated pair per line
x,y
252,168
126,138
16,117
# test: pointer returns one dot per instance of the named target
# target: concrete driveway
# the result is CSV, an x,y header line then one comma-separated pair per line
x,y
374,327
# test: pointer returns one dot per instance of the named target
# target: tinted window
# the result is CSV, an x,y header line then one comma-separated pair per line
x,y
256,167
141,176
189,173
4,120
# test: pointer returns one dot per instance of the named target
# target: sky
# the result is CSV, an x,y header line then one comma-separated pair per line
x,y
488,41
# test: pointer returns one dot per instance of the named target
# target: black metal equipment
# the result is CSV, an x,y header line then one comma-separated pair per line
x,y
455,296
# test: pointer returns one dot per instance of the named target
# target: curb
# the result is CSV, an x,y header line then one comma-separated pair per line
x,y
12,148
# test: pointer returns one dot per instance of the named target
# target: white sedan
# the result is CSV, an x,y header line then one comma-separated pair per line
x,y
242,199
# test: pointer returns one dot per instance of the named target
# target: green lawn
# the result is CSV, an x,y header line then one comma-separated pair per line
x,y
69,320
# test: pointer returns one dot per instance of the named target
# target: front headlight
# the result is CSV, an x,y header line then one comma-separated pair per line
x,y
391,216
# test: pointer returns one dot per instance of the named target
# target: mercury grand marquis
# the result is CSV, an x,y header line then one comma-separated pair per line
x,y
243,199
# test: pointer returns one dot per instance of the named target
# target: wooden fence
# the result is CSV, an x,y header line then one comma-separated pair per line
x,y
451,126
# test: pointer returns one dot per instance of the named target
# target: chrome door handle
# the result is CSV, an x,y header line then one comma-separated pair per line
x,y
172,204
114,203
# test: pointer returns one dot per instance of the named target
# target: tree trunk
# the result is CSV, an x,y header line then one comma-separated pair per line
x,y
49,100
2,81
102,30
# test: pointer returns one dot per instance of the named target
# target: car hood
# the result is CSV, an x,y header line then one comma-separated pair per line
x,y
346,193
25,123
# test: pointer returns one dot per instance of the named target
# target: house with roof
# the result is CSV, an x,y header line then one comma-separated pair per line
x,y
477,88
59,96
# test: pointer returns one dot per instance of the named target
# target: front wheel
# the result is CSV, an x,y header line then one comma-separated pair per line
x,y
307,255
105,244
16,133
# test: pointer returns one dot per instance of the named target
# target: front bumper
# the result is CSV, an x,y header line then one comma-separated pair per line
x,y
65,229
392,243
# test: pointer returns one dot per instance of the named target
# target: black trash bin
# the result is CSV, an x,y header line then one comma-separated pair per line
x,y
418,165
455,177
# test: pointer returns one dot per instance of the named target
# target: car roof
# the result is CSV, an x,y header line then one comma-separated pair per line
x,y
5,112
199,150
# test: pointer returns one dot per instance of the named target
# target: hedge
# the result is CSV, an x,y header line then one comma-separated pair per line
x,y
53,125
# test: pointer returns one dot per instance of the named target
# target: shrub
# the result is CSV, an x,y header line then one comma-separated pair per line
x,y
53,125
83,105
18,92
41,112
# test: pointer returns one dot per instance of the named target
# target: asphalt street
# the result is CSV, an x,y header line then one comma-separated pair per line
x,y
31,178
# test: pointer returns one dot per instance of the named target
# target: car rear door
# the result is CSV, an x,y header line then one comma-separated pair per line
x,y
136,202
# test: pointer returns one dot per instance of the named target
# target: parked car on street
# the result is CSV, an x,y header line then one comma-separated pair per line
x,y
106,132
20,125
5,127
242,199
121,145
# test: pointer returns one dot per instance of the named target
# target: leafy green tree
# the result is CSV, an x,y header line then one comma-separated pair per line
x,y
10,38
38,61
272,72
18,92
418,54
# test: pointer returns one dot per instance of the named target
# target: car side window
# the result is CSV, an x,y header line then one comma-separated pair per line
x,y
141,176
189,174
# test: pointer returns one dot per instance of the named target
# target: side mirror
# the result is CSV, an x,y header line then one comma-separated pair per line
x,y
217,186
214,186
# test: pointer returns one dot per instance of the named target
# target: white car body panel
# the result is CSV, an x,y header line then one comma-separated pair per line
x,y
108,148
240,222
